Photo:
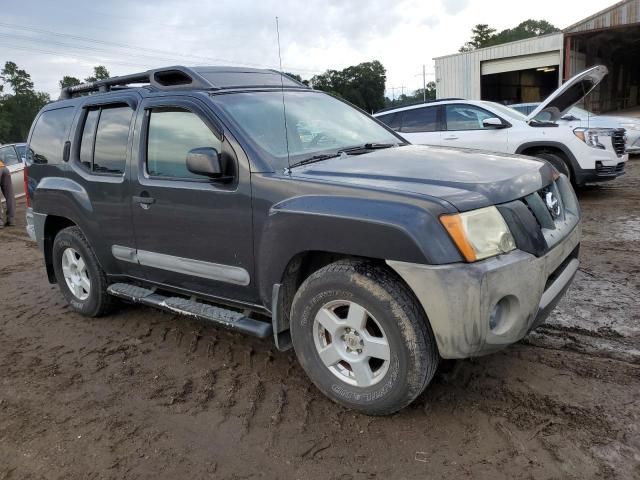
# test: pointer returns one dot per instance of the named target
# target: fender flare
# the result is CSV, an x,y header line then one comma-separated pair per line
x,y
341,225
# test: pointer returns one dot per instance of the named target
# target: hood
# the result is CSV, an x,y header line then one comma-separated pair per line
x,y
465,178
573,91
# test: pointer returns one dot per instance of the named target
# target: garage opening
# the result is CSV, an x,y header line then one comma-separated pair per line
x,y
520,86
618,49
519,79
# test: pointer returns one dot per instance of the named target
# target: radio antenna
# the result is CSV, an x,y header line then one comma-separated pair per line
x,y
284,107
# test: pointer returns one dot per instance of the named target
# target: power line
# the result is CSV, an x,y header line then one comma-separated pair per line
x,y
182,56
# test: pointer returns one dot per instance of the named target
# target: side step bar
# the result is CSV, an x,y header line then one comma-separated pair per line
x,y
190,308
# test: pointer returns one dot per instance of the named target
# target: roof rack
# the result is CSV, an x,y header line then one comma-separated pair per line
x,y
190,78
419,103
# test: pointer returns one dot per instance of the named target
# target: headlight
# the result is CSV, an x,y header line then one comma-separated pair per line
x,y
630,126
479,233
590,136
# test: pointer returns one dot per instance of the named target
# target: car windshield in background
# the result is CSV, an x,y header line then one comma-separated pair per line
x,y
316,123
509,112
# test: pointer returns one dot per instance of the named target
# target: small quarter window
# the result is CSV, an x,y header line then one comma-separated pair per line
x,y
172,133
49,136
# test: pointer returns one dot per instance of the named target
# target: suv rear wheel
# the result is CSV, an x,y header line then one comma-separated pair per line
x,y
362,338
79,275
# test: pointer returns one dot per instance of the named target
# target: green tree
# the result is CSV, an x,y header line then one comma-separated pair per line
x,y
362,84
415,97
99,73
527,29
297,77
68,81
484,36
18,108
480,35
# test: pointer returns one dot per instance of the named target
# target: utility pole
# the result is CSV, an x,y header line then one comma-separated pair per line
x,y
424,84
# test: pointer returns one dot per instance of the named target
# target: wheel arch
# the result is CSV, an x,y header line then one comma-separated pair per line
x,y
531,148
53,224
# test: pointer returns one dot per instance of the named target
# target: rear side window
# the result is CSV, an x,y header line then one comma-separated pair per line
x,y
391,120
105,135
8,156
49,135
420,120
172,133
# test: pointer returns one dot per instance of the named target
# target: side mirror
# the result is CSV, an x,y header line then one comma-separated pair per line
x,y
204,161
493,122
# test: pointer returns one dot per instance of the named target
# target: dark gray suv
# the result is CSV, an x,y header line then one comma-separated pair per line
x,y
244,198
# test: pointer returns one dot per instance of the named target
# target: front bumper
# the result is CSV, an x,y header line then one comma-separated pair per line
x,y
458,298
604,171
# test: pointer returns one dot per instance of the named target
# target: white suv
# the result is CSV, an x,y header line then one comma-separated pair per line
x,y
583,154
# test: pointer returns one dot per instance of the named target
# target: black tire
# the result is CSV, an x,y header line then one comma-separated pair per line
x,y
98,302
557,161
413,354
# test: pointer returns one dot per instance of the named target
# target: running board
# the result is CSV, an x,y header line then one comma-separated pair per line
x,y
190,308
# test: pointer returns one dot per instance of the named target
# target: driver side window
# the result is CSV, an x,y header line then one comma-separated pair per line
x,y
466,117
172,133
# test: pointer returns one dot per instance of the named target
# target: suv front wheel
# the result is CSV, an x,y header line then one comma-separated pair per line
x,y
79,275
362,337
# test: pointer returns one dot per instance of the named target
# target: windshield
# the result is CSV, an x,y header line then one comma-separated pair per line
x,y
316,123
509,112
580,113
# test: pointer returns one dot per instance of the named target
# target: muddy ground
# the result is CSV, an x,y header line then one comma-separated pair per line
x,y
143,394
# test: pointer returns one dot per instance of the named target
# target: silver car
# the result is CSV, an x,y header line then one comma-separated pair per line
x,y
580,117
13,156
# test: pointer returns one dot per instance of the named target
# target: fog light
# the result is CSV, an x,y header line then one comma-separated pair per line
x,y
494,316
503,314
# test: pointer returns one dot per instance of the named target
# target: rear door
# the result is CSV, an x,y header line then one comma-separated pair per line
x,y
15,163
421,125
99,152
192,232
464,128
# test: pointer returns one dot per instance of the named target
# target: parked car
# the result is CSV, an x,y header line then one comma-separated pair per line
x,y
373,258
582,154
13,156
579,117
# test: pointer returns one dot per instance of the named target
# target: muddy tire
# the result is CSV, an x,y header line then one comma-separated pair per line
x,y
557,161
79,275
362,338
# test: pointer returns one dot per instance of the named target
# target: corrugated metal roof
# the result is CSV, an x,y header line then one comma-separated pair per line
x,y
494,51
622,13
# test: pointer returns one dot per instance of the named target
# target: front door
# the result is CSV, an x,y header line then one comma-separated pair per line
x,y
464,128
192,232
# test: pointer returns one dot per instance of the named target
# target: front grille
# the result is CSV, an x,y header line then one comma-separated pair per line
x,y
619,141
554,223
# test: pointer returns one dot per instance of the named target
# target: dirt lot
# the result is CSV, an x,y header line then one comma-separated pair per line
x,y
143,394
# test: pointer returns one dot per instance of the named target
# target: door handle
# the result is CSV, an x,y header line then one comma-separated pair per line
x,y
144,201
453,137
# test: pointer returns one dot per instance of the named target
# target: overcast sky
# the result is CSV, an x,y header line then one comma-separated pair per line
x,y
52,39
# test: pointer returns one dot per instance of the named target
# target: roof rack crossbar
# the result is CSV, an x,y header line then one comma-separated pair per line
x,y
104,85
167,78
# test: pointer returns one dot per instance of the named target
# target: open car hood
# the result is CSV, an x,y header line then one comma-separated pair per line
x,y
573,91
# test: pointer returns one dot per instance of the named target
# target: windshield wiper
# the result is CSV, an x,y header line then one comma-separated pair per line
x,y
344,151
316,158
370,146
